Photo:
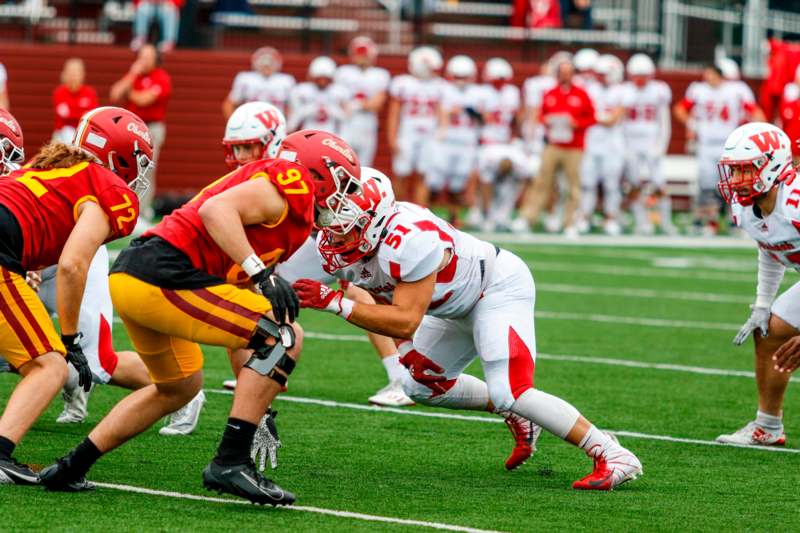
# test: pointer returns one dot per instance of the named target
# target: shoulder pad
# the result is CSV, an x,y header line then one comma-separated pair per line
x,y
417,253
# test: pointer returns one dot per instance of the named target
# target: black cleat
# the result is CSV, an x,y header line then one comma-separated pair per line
x,y
245,481
13,472
57,477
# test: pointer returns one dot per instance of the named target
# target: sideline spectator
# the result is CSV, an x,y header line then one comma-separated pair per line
x,y
790,114
145,90
536,14
577,14
566,113
264,83
166,12
367,85
4,104
71,99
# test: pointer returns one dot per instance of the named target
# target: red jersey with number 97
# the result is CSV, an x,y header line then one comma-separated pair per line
x,y
273,243
45,204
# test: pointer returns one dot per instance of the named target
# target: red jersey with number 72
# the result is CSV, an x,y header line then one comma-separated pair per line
x,y
184,229
45,204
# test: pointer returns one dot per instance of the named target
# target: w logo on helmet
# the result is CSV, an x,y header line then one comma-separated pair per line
x,y
767,141
269,119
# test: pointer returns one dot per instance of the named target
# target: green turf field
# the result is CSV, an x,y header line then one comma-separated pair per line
x,y
626,334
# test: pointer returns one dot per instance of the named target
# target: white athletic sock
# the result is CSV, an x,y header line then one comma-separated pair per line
x,y
773,424
595,442
552,413
639,213
394,370
612,198
665,210
468,392
71,385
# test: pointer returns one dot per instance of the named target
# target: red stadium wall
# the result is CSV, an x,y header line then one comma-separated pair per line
x,y
192,155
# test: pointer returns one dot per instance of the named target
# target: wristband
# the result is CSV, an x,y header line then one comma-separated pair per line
x,y
70,340
346,308
763,301
252,265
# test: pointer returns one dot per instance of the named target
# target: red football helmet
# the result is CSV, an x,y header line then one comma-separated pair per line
x,y
120,140
334,166
13,152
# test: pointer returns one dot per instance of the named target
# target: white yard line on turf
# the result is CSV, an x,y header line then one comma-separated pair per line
x,y
638,321
628,241
644,293
588,359
651,273
301,508
494,420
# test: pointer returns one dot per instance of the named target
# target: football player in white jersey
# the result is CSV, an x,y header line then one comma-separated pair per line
x,y
457,137
412,117
452,298
730,71
603,160
647,128
368,87
759,181
711,110
320,103
255,131
503,166
264,83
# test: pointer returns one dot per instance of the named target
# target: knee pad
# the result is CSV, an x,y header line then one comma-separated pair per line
x,y
267,358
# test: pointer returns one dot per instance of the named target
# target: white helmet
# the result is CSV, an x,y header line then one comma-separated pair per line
x,y
322,67
610,67
461,66
550,68
266,56
497,69
762,154
363,46
424,61
729,68
586,59
366,215
254,122
641,65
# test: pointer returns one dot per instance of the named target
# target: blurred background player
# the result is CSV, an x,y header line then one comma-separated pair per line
x,y
367,85
585,61
63,217
412,118
789,110
263,83
730,71
710,110
604,159
499,106
71,99
757,178
567,111
457,134
647,127
319,103
255,131
145,90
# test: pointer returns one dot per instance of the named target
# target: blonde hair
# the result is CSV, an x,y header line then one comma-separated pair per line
x,y
59,155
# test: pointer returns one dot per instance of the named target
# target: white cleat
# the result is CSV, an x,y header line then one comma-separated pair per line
x,y
184,420
753,435
392,395
612,228
520,226
571,233
229,384
75,400
552,223
611,469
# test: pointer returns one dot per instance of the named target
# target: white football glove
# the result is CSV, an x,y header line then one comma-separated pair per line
x,y
266,442
759,320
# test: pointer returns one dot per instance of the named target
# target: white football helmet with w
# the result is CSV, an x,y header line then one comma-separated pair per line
x,y
755,158
251,123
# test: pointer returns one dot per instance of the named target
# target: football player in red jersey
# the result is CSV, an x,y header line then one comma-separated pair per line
x,y
60,209
12,151
180,284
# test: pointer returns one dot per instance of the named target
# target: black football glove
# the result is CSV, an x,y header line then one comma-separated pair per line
x,y
279,293
78,360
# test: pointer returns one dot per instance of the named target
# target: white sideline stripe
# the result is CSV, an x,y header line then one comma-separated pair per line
x,y
302,508
588,359
638,321
628,241
643,255
498,420
644,293
652,273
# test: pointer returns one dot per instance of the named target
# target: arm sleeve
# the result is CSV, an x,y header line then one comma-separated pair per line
x,y
770,275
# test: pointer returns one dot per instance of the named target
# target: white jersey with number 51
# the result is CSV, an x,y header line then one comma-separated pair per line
x,y
414,247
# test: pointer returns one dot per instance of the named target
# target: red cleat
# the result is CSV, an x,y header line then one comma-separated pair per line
x,y
525,433
611,469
